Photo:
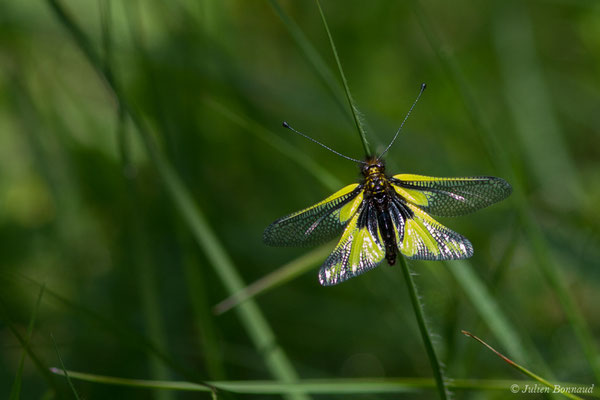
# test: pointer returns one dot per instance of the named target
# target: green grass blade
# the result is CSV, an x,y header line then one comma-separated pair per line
x,y
278,277
499,157
274,140
64,370
353,108
152,316
249,313
490,312
487,308
106,30
252,318
15,392
528,95
313,58
39,364
124,334
196,287
521,368
438,374
202,315
146,270
342,386
555,278
134,383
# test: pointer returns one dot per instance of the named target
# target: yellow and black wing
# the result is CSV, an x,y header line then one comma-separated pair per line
x,y
448,197
420,237
318,223
360,249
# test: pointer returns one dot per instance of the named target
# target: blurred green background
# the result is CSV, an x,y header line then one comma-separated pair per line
x,y
131,277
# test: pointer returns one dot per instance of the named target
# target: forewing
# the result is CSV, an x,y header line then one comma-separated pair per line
x,y
318,223
426,239
360,249
448,197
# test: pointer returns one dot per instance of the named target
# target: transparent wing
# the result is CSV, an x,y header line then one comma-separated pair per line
x,y
426,239
360,249
318,223
448,197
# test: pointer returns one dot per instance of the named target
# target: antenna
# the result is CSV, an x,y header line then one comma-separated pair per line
x,y
423,86
286,125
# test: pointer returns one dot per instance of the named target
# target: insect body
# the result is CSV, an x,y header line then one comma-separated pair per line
x,y
378,192
384,215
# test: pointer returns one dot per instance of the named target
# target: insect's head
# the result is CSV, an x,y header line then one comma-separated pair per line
x,y
372,166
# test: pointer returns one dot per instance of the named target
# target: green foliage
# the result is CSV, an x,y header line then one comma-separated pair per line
x,y
142,155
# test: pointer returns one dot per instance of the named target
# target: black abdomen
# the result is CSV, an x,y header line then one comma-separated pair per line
x,y
386,227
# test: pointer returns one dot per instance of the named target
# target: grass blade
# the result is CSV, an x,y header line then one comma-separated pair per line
x,y
252,318
353,108
487,307
124,334
522,369
528,96
491,314
313,386
203,319
420,315
15,392
270,138
134,383
312,56
64,370
276,278
152,317
146,270
249,313
27,348
196,287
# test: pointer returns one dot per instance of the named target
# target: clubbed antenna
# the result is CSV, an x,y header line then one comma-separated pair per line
x,y
423,86
286,125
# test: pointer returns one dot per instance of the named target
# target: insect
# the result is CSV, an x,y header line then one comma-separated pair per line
x,y
384,215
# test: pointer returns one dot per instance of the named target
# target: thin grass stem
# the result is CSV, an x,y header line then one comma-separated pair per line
x,y
522,369
344,386
119,330
355,112
15,392
313,58
274,140
420,315
64,370
37,361
487,307
276,278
